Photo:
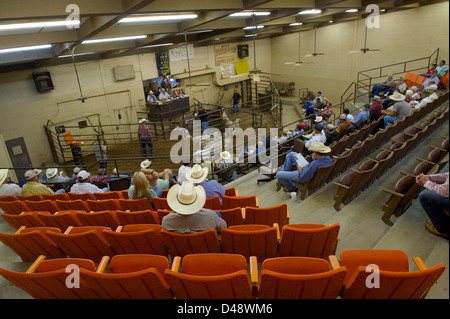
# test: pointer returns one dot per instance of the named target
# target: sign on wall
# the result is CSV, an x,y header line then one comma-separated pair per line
x,y
225,54
179,54
162,63
226,70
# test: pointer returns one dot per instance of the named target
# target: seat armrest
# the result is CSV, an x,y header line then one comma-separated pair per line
x,y
35,264
393,193
102,265
334,262
419,263
176,264
253,270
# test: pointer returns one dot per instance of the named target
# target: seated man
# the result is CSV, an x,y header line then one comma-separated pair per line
x,y
306,174
361,117
425,99
434,79
376,108
151,98
7,188
430,70
442,68
343,124
347,113
401,86
164,96
400,109
377,89
189,216
433,92
84,185
330,134
434,200
224,160
416,93
33,187
316,136
198,176
59,179
100,177
298,130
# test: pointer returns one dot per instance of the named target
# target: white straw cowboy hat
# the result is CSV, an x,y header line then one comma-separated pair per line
x,y
3,175
225,155
143,121
146,163
197,174
51,172
319,148
397,96
186,199
32,173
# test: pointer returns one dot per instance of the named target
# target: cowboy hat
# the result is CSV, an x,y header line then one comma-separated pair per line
x,y
318,119
51,172
3,175
186,199
397,96
32,173
143,121
225,155
320,148
197,174
146,163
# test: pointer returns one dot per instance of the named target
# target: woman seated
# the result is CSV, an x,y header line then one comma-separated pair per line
x,y
141,188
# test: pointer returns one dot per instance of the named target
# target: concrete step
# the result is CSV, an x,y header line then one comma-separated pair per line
x,y
438,255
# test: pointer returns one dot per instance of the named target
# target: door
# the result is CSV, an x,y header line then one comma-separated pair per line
x,y
18,154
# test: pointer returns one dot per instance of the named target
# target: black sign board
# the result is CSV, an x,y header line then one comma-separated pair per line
x,y
162,63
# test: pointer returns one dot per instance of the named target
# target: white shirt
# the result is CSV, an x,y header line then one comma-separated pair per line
x,y
402,87
282,139
164,95
10,189
82,188
316,138
182,174
424,102
350,117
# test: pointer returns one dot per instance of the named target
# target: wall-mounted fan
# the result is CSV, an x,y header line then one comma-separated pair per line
x,y
365,49
299,61
315,53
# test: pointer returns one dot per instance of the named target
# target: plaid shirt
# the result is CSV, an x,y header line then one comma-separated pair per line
x,y
438,183
33,188
144,132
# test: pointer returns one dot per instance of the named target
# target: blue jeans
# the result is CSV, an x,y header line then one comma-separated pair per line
x,y
289,161
205,128
426,75
158,191
389,120
376,89
236,107
144,143
310,110
307,104
434,204
286,178
60,191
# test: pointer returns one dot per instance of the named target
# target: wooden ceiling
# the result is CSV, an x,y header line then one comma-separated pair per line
x,y
102,19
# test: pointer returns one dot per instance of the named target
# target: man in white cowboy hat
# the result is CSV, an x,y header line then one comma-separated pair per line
x,y
400,109
416,93
145,137
189,216
198,176
224,160
54,177
433,89
33,187
8,188
151,98
304,174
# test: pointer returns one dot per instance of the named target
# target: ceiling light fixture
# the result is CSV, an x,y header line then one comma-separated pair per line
x,y
78,54
34,25
312,11
250,35
249,13
114,39
29,48
351,10
156,45
295,24
331,21
252,27
158,18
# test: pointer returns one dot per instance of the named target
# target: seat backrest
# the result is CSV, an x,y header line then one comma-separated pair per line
x,y
267,215
32,243
60,196
84,196
250,240
119,184
108,195
230,191
144,284
308,240
392,284
42,206
235,285
183,244
100,218
103,204
299,278
72,205
84,242
232,216
120,264
60,220
299,146
14,208
28,219
238,201
142,217
212,203
35,197
135,205
137,239
8,198
213,264
160,203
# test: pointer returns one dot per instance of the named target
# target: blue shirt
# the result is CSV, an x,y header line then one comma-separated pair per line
x,y
213,188
361,117
308,172
427,82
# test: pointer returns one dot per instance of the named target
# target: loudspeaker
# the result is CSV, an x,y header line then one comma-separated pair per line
x,y
243,50
43,81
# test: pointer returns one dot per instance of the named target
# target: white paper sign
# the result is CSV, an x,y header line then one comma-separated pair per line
x,y
226,70
179,54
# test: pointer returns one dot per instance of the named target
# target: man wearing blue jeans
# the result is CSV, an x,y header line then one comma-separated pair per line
x,y
434,200
400,109
304,175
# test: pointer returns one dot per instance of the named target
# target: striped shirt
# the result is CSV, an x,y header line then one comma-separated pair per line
x,y
35,188
144,132
438,183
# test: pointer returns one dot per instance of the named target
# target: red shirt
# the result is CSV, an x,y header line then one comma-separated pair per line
x,y
376,107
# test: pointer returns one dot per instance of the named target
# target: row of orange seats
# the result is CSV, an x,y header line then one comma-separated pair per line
x,y
225,276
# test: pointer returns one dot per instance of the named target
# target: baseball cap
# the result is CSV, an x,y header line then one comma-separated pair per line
x,y
83,174
32,173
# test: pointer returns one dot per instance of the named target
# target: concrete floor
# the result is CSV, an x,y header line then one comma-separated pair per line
x,y
360,220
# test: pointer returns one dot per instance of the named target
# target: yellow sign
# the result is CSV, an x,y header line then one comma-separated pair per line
x,y
242,67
